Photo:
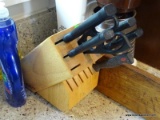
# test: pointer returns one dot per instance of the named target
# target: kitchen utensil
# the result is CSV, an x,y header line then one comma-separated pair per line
x,y
123,55
99,38
106,12
114,62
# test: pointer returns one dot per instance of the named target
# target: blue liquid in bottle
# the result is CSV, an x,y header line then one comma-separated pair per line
x,y
10,62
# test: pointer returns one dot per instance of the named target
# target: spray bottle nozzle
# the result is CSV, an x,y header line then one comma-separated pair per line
x,y
4,13
2,4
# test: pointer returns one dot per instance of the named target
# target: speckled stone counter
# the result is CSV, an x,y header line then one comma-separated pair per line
x,y
95,106
34,29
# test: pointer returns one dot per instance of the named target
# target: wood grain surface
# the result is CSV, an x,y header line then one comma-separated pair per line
x,y
133,88
47,64
67,94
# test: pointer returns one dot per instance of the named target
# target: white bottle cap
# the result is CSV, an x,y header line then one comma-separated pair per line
x,y
4,13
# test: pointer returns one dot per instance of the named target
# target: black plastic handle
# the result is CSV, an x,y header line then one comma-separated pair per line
x,y
106,12
125,24
131,36
97,40
124,47
135,34
114,62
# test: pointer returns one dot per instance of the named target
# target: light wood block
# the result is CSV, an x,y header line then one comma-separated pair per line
x,y
46,65
133,88
61,80
67,94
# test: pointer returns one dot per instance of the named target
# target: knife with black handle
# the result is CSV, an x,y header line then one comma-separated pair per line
x,y
122,58
120,26
114,62
98,39
109,49
104,13
125,24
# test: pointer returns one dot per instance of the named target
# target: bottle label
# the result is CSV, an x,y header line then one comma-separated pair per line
x,y
7,84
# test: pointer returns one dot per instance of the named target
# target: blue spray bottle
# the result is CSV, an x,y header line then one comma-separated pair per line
x,y
9,60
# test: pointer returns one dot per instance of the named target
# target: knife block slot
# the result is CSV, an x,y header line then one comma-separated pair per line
x,y
68,93
75,67
57,77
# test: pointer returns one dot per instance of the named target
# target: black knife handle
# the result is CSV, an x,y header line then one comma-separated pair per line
x,y
135,34
97,40
106,12
125,24
131,36
114,62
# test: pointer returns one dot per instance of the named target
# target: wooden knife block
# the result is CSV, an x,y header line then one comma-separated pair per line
x,y
68,93
61,80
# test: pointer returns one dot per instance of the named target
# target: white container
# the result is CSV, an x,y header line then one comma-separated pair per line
x,y
70,12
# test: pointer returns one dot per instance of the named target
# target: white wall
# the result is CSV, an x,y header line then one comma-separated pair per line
x,y
29,7
13,2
